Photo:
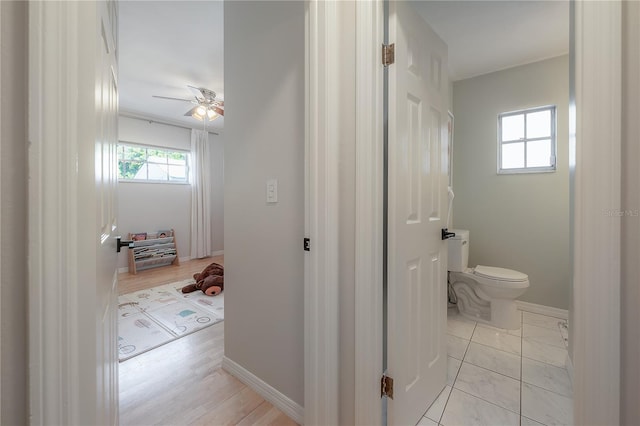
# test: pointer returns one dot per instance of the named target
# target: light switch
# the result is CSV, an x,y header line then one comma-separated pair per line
x,y
272,191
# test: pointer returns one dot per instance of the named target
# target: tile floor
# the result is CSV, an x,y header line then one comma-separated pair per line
x,y
504,377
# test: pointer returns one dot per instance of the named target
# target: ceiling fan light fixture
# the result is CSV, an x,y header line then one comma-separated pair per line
x,y
211,114
199,112
207,107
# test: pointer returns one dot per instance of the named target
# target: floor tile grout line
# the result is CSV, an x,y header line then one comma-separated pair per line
x,y
546,344
542,362
457,374
544,389
500,330
490,370
493,347
482,399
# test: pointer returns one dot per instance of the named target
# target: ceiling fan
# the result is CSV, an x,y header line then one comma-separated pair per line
x,y
207,107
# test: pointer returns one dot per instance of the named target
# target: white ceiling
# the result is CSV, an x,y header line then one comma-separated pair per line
x,y
166,45
487,36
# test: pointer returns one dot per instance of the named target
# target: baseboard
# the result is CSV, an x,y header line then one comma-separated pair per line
x,y
217,253
268,392
184,259
543,310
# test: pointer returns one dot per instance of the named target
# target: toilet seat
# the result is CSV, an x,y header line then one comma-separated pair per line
x,y
501,274
500,277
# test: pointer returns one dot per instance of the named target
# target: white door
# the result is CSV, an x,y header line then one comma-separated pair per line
x,y
98,159
73,113
106,141
417,210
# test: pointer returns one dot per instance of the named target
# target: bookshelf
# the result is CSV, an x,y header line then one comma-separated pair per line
x,y
153,250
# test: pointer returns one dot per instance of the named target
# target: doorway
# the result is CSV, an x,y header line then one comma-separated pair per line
x,y
263,136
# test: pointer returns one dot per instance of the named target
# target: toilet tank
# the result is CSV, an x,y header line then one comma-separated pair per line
x,y
458,251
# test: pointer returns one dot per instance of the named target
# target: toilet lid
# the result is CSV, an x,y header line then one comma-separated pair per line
x,y
501,274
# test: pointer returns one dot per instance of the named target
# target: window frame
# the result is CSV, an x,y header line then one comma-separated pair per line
x,y
158,148
553,137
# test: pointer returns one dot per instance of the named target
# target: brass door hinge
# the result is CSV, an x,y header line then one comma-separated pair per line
x,y
386,387
388,54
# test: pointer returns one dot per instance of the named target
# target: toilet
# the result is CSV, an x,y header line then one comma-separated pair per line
x,y
485,293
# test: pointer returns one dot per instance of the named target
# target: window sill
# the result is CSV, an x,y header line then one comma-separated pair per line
x,y
154,182
526,171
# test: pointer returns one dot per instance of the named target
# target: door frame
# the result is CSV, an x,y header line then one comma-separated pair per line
x,y
370,206
596,100
57,124
321,304
322,327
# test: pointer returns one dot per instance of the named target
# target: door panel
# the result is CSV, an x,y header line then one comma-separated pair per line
x,y
106,140
417,176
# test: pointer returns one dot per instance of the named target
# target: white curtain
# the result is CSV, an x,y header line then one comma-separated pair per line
x,y
200,194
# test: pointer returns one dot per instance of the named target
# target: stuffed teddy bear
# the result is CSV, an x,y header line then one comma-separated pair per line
x,y
210,280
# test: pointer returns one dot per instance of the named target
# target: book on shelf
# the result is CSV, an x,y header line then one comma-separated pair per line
x,y
164,233
139,236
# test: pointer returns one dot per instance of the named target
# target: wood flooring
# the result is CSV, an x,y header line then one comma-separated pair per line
x,y
182,383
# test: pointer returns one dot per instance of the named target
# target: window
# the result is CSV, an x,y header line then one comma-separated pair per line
x,y
527,140
138,163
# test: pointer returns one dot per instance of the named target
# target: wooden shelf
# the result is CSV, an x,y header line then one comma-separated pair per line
x,y
153,253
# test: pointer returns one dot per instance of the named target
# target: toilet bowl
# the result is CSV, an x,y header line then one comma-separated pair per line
x,y
485,293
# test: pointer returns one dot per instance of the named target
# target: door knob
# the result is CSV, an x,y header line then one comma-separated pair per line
x,y
120,243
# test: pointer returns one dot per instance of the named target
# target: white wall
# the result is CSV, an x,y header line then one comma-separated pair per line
x,y
13,215
518,221
264,139
149,207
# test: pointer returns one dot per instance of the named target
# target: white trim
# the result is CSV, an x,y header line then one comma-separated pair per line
x,y
369,213
595,331
217,253
322,120
268,392
543,310
553,138
53,120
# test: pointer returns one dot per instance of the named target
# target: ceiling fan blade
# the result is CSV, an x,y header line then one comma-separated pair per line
x,y
173,99
218,110
197,92
219,102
